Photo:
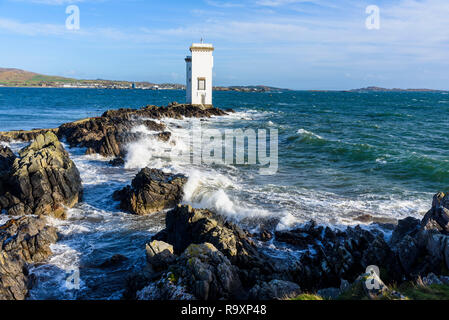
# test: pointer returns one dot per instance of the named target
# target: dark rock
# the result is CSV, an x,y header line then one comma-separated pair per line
x,y
107,135
22,135
336,254
7,158
164,136
274,290
408,226
329,293
151,191
206,273
23,241
117,162
42,180
113,261
185,225
408,252
437,218
159,255
265,235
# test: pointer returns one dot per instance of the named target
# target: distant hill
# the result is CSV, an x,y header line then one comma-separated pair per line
x,y
259,88
379,89
10,76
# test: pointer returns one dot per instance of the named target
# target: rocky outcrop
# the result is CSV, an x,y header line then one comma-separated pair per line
x,y
201,254
43,180
201,272
108,135
330,259
22,135
207,273
7,158
332,255
104,135
160,255
437,218
151,191
22,242
274,290
415,249
185,225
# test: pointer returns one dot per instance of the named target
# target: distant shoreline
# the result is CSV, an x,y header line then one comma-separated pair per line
x,y
245,89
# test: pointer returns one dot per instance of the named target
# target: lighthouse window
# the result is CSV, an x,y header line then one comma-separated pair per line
x,y
201,84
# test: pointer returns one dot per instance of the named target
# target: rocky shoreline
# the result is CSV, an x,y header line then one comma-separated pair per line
x,y
199,255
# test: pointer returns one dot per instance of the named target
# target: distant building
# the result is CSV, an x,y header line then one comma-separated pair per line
x,y
199,74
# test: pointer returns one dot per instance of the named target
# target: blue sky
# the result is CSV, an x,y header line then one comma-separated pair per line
x,y
299,44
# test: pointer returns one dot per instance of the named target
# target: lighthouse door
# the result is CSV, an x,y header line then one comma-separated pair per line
x,y
203,99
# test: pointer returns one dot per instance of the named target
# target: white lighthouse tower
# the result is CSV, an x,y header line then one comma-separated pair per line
x,y
199,74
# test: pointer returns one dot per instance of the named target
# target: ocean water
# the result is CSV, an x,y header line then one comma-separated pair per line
x,y
341,155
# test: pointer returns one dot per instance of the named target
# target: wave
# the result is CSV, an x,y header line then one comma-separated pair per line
x,y
306,133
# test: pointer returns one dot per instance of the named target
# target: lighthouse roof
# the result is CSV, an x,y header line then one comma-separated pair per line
x,y
202,47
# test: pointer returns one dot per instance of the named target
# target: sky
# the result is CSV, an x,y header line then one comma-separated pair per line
x,y
296,44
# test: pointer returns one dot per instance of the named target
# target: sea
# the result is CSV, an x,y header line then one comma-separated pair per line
x,y
342,156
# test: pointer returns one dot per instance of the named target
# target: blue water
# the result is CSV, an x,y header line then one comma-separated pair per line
x,y
341,155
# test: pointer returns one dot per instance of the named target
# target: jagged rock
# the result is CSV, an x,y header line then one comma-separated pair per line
x,y
329,293
159,255
274,290
151,191
42,180
207,273
117,162
185,225
265,235
23,241
406,227
407,252
431,279
7,158
113,261
107,135
164,136
437,218
22,135
164,289
200,272
335,255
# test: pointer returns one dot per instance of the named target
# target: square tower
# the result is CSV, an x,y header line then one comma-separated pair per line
x,y
199,74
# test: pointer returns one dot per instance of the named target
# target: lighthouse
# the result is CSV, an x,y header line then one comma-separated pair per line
x,y
199,67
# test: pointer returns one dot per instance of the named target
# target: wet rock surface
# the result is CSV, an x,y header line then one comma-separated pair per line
x,y
151,191
107,135
185,225
7,158
274,290
43,180
22,242
437,218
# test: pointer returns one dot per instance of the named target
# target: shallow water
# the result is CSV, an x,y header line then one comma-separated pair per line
x,y
341,155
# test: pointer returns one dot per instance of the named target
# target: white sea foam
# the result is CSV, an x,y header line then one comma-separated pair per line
x,y
304,132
